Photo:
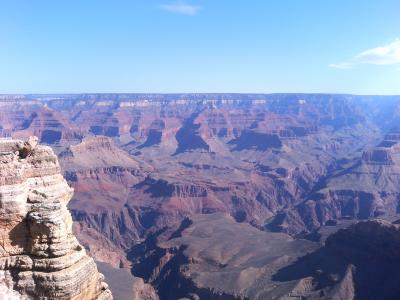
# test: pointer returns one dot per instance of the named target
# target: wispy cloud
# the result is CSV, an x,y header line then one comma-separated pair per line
x,y
342,66
181,8
385,55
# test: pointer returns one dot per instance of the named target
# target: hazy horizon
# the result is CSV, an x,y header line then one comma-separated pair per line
x,y
194,93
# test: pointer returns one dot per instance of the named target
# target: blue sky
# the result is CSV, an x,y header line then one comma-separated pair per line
x,y
259,46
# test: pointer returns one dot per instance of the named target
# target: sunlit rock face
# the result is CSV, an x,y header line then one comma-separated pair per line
x,y
40,258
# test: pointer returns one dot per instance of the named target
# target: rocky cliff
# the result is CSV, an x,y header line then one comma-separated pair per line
x,y
40,258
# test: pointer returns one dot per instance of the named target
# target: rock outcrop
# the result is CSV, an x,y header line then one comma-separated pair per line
x,y
40,258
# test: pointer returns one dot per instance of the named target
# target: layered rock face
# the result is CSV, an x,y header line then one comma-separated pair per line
x,y
101,175
40,258
367,188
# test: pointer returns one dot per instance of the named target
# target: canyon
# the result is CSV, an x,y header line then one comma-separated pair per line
x,y
220,196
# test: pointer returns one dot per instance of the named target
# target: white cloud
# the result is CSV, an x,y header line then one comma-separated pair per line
x,y
182,8
385,55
